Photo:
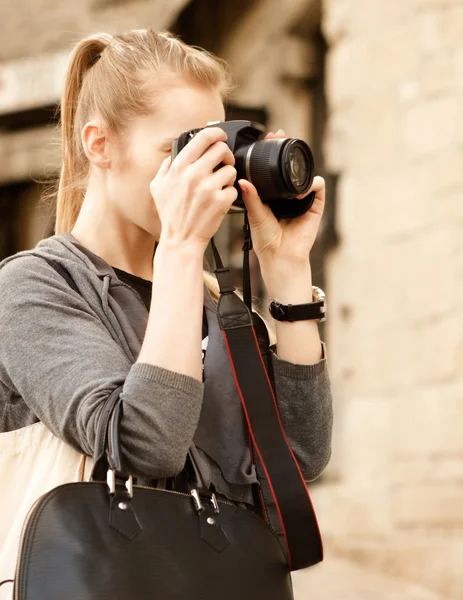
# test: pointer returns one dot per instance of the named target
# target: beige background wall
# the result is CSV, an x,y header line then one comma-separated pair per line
x,y
395,93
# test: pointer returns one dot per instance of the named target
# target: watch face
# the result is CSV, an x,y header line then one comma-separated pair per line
x,y
318,294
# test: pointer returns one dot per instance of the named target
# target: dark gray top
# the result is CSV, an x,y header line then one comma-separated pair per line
x,y
62,353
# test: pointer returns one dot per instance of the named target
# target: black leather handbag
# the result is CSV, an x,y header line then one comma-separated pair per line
x,y
109,539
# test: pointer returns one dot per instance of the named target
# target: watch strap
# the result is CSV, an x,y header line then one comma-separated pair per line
x,y
297,312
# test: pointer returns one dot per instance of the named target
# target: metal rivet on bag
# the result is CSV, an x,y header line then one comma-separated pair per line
x,y
210,520
122,505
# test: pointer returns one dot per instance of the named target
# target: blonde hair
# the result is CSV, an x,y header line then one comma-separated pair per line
x,y
106,76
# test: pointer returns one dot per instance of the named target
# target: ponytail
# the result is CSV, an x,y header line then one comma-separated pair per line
x,y
74,167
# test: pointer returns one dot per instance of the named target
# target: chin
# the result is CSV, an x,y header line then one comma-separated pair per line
x,y
147,221
153,230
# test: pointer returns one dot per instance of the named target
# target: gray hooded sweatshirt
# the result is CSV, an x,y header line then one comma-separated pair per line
x,y
63,353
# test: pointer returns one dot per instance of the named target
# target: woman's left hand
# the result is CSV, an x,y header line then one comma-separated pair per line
x,y
285,245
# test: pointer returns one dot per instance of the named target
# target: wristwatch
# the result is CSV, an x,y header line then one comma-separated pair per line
x,y
315,310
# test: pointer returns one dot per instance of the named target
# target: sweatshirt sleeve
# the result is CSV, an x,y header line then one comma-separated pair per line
x,y
56,353
304,399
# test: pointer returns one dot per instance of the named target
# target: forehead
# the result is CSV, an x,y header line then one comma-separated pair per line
x,y
184,107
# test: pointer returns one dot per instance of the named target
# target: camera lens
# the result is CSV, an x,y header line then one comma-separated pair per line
x,y
298,166
280,168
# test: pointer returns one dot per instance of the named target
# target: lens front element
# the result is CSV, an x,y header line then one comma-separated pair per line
x,y
297,166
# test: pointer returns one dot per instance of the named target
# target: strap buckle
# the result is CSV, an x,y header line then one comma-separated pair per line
x,y
200,506
277,311
111,481
225,279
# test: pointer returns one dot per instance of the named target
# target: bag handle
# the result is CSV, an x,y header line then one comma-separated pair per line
x,y
100,463
114,454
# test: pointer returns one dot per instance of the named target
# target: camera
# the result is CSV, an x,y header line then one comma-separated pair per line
x,y
279,168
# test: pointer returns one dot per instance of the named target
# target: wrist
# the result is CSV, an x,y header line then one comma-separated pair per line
x,y
180,248
290,287
176,261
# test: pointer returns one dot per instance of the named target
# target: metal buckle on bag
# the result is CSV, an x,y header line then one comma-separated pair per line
x,y
213,501
199,505
111,481
197,500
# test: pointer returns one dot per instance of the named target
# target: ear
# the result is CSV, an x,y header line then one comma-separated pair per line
x,y
95,144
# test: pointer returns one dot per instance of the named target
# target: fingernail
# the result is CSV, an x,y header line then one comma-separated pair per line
x,y
280,131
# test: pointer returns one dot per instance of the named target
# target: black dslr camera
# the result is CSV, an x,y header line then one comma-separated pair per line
x,y
280,168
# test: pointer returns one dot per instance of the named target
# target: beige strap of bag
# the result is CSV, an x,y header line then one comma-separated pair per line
x,y
32,462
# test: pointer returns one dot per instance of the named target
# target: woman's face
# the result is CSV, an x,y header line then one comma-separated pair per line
x,y
147,142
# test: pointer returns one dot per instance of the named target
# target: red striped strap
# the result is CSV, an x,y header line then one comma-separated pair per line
x,y
286,483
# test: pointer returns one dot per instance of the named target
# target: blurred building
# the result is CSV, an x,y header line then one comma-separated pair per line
x,y
376,88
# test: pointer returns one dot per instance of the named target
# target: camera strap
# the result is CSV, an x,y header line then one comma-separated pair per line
x,y
244,339
247,246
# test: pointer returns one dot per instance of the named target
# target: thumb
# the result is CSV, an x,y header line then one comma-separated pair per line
x,y
257,211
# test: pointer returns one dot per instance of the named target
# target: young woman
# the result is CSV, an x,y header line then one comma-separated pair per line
x,y
132,228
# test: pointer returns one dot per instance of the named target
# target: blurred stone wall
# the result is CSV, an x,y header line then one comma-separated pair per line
x,y
33,27
395,136
37,36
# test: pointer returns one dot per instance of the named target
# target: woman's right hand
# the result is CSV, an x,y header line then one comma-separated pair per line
x,y
191,199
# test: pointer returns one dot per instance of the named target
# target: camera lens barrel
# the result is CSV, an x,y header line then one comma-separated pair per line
x,y
278,167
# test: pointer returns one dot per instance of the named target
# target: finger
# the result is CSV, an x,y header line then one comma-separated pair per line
x,y
165,165
228,195
279,134
257,211
214,155
223,177
318,186
199,144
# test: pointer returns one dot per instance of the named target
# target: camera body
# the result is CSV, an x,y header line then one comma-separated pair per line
x,y
280,168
